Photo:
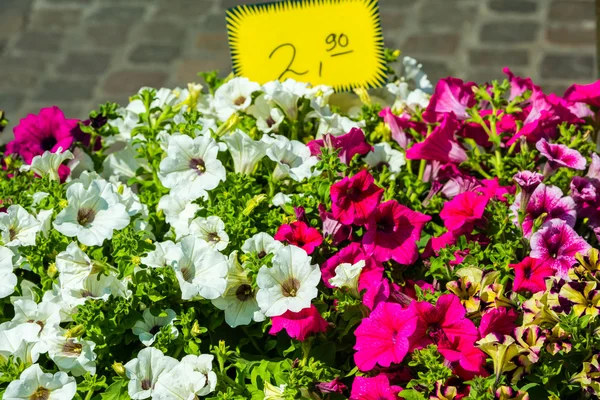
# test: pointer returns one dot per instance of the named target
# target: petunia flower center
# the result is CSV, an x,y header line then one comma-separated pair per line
x,y
72,348
188,274
239,101
214,237
197,164
86,293
12,233
270,122
262,254
244,292
154,330
385,224
146,384
290,287
85,216
41,393
48,143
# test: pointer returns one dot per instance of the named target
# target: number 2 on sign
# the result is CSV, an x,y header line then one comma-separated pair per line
x,y
332,40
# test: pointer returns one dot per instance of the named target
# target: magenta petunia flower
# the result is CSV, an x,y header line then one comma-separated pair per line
x,y
47,131
299,325
466,360
588,94
460,184
349,145
355,199
440,144
300,234
451,95
559,155
383,337
547,200
518,85
376,388
528,180
556,245
350,254
530,275
393,232
332,227
396,124
499,320
333,386
463,212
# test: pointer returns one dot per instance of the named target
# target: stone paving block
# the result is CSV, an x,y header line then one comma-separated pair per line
x,y
572,10
17,6
214,23
183,9
154,53
59,19
40,42
495,57
117,14
509,32
107,35
576,67
435,14
571,35
513,6
129,81
443,44
85,63
15,78
63,90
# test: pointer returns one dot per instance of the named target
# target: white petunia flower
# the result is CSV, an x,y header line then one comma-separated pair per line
x,y
93,214
292,158
123,164
191,167
245,152
286,95
290,284
18,227
95,287
8,280
346,275
191,378
268,118
239,299
162,255
72,355
145,371
211,230
149,328
45,219
29,291
273,392
38,197
81,162
234,95
34,384
200,270
73,266
48,163
281,199
55,296
21,342
413,71
320,94
178,213
383,154
45,314
262,244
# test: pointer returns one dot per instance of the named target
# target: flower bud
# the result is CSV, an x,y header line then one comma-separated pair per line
x,y
119,369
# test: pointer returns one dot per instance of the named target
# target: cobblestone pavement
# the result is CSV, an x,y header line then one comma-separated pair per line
x,y
79,53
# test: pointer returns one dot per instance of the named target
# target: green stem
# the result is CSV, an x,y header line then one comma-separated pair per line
x,y
422,166
306,345
89,394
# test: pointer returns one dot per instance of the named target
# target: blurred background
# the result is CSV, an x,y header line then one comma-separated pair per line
x,y
78,53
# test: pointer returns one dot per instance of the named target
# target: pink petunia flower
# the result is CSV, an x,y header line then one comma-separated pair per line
x,y
498,320
376,388
395,124
299,325
383,337
393,232
334,228
300,234
349,145
530,275
451,95
440,144
47,131
556,245
528,180
334,386
466,360
588,94
518,85
547,200
559,155
355,199
463,212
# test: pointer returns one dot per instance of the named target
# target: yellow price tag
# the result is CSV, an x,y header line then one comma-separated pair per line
x,y
333,42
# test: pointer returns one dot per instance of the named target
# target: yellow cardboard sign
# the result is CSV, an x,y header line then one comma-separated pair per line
x,y
333,42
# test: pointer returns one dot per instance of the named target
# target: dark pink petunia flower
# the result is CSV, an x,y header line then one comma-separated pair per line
x,y
556,244
383,337
451,95
530,275
47,131
376,388
588,94
547,200
334,228
350,254
463,212
466,360
493,190
579,110
396,125
299,325
349,145
460,184
528,180
333,386
393,232
355,199
518,85
559,155
440,144
300,234
499,320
